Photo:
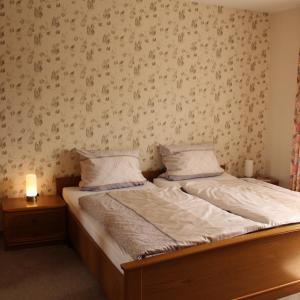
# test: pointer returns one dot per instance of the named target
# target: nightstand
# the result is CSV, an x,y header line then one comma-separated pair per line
x,y
28,224
268,179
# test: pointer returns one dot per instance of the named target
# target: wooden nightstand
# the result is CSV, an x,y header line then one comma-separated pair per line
x,y
26,223
268,179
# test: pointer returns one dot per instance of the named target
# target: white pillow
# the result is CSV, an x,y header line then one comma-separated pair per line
x,y
109,170
173,149
192,161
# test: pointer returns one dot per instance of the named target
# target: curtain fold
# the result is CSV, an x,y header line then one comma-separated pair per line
x,y
295,161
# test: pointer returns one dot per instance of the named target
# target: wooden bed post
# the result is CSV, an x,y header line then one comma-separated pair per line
x,y
133,284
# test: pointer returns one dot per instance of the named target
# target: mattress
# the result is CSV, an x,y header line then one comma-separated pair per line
x,y
162,182
110,247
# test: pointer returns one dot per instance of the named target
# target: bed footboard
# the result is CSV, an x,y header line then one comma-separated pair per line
x,y
262,265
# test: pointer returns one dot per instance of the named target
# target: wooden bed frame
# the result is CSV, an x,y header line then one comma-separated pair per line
x,y
260,265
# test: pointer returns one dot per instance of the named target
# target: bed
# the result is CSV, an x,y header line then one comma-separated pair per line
x,y
261,265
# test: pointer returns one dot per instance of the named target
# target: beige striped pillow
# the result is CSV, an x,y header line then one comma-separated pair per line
x,y
106,170
191,161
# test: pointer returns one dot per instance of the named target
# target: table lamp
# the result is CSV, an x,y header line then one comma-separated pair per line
x,y
31,187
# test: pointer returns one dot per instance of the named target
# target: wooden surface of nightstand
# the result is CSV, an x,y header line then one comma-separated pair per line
x,y
268,179
26,223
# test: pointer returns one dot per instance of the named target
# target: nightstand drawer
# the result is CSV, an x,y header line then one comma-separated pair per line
x,y
23,227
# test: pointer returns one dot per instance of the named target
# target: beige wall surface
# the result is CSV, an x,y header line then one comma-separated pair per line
x,y
285,45
122,74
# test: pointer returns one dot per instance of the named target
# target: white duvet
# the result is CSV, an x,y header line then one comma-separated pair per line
x,y
251,199
150,222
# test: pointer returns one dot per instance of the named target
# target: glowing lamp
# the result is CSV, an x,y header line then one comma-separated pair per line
x,y
31,187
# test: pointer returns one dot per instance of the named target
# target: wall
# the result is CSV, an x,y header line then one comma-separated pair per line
x,y
122,74
285,45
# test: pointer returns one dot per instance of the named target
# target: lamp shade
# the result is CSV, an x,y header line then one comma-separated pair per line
x,y
31,185
248,168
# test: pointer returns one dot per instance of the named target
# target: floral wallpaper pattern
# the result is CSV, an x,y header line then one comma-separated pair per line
x,y
117,74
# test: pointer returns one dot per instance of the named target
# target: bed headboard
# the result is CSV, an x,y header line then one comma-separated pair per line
x,y
67,181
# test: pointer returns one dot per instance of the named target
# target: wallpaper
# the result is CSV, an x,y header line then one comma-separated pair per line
x,y
121,74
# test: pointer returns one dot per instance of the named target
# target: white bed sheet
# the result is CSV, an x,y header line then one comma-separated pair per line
x,y
96,230
162,182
